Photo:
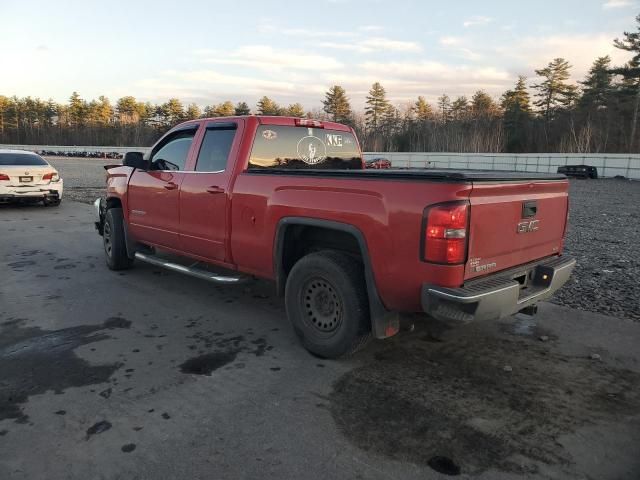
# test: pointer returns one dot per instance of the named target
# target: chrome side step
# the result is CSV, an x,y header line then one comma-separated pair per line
x,y
193,271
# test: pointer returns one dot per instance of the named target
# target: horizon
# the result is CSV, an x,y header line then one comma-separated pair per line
x,y
467,48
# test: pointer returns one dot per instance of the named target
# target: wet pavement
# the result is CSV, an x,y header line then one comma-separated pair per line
x,y
150,374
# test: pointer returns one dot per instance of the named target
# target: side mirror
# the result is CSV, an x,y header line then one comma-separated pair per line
x,y
135,160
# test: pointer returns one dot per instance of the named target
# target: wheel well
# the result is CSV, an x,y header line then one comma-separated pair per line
x,y
300,240
299,236
113,202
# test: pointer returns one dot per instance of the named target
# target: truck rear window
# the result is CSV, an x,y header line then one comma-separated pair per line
x,y
283,147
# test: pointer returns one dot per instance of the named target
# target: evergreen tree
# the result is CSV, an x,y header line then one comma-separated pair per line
x,y
631,74
78,110
103,111
422,110
336,104
482,105
171,113
444,106
225,109
295,110
517,114
597,87
460,108
127,109
242,109
554,92
377,106
193,112
266,106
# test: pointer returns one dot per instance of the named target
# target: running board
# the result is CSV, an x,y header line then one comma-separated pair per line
x,y
194,272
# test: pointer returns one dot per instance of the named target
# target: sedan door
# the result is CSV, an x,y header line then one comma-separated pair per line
x,y
153,195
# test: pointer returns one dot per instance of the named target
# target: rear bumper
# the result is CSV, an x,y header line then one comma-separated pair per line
x,y
498,295
52,190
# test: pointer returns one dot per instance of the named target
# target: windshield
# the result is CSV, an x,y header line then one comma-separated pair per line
x,y
30,159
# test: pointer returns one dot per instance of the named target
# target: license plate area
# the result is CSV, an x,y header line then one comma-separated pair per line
x,y
26,179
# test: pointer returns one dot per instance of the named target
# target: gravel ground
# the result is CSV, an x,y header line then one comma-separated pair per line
x,y
603,235
604,232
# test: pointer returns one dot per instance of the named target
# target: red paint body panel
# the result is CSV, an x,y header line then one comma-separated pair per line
x,y
236,227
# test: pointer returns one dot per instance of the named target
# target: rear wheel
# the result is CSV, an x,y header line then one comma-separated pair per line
x,y
115,247
327,304
51,202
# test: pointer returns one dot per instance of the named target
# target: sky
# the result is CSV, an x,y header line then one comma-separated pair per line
x,y
210,51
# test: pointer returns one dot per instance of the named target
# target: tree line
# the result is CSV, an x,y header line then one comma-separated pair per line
x,y
598,115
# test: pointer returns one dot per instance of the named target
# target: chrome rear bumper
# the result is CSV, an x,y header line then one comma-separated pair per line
x,y
498,295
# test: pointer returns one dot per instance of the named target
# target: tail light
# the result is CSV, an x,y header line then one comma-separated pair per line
x,y
50,176
4,177
303,122
445,233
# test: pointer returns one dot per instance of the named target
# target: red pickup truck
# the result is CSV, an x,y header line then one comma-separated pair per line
x,y
289,199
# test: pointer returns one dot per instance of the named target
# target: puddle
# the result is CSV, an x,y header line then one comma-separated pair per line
x,y
444,465
208,363
34,361
98,428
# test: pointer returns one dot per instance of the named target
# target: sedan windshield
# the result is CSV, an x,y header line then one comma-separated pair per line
x,y
30,159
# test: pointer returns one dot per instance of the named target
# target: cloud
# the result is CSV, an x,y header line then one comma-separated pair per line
x,y
371,45
370,28
580,50
269,59
478,20
618,4
450,41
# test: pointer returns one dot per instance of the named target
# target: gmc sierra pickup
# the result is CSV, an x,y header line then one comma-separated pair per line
x,y
288,199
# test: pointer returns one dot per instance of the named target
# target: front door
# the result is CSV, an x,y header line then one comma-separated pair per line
x,y
204,194
153,195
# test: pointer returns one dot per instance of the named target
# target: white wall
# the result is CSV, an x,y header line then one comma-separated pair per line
x,y
609,165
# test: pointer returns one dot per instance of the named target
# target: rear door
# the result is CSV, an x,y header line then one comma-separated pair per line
x,y
204,194
515,223
153,195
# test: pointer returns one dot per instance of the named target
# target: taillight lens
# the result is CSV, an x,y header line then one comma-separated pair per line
x,y
50,176
4,177
445,236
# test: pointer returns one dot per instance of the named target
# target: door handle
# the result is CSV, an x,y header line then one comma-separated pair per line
x,y
215,189
171,186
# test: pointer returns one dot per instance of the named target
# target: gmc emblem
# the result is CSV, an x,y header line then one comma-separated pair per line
x,y
527,227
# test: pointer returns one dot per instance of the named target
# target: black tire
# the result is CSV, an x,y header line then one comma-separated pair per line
x,y
52,203
326,300
115,247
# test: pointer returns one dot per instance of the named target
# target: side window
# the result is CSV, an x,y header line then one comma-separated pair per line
x,y
173,154
215,149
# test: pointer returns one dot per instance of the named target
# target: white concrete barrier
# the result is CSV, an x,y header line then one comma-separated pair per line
x,y
75,148
609,165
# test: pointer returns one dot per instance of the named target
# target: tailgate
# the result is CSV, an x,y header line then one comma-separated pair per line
x,y
513,223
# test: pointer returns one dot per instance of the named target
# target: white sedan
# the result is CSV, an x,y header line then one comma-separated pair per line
x,y
27,176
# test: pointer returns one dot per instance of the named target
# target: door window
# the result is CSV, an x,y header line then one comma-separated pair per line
x,y
215,149
172,155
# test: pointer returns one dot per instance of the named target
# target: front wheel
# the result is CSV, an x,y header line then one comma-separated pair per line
x,y
115,247
326,300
